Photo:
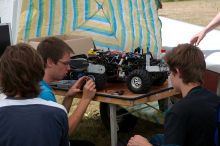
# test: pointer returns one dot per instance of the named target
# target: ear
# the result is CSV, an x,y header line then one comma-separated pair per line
x,y
178,73
50,63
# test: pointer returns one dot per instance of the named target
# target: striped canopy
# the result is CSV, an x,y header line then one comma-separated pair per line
x,y
116,24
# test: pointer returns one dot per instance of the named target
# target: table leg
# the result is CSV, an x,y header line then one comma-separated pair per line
x,y
113,124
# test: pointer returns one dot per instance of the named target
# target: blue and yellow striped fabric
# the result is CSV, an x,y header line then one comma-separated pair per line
x,y
116,24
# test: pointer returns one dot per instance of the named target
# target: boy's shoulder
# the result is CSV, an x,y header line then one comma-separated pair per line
x,y
31,103
196,100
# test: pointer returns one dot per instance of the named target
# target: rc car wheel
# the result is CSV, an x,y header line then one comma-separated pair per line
x,y
160,78
100,80
125,123
139,81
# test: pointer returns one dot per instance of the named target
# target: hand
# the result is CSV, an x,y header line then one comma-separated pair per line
x,y
76,87
195,40
138,140
89,90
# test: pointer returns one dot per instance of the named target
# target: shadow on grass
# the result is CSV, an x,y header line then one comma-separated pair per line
x,y
92,129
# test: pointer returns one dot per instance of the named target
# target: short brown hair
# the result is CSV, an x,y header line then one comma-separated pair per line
x,y
189,60
21,70
53,48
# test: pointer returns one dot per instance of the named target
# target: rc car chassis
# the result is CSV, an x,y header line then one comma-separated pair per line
x,y
138,70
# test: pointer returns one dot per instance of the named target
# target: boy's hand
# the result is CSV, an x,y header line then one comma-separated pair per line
x,y
138,140
89,90
76,86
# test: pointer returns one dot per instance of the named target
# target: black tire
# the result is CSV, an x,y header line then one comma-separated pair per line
x,y
160,78
100,80
125,123
139,81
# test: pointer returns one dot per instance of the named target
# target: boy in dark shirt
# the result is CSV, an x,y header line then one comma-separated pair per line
x,y
191,121
27,120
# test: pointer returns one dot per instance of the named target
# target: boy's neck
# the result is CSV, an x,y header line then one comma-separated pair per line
x,y
47,77
187,87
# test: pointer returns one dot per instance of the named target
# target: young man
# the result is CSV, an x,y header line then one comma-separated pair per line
x,y
56,55
25,119
191,121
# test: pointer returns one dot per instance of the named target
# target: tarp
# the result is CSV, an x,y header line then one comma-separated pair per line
x,y
115,24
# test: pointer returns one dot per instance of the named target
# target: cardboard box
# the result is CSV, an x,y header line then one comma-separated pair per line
x,y
79,44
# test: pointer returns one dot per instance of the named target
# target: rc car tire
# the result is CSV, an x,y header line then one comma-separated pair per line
x,y
139,81
100,80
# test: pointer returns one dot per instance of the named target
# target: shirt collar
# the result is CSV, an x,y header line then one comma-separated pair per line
x,y
45,84
194,90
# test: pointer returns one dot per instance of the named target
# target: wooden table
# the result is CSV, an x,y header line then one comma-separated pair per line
x,y
110,95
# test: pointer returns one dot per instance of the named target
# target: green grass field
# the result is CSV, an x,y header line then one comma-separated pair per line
x,y
198,12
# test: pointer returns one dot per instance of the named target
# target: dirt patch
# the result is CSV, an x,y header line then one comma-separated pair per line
x,y
198,12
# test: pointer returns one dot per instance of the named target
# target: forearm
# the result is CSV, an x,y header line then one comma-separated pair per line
x,y
67,102
77,115
213,24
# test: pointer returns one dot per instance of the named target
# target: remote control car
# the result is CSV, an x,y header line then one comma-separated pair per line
x,y
80,66
139,70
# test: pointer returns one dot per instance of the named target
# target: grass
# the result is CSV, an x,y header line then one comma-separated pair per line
x,y
198,12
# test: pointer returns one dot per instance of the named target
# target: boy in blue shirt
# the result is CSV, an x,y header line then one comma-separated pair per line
x,y
56,55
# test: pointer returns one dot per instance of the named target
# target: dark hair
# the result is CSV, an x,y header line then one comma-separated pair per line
x,y
53,48
21,70
189,60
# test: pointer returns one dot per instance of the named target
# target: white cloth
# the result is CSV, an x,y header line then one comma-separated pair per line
x,y
2,96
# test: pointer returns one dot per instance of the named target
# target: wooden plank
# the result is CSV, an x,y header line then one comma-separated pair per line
x,y
128,98
158,96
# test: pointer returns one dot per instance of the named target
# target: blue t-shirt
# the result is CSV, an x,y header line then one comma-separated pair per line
x,y
46,92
